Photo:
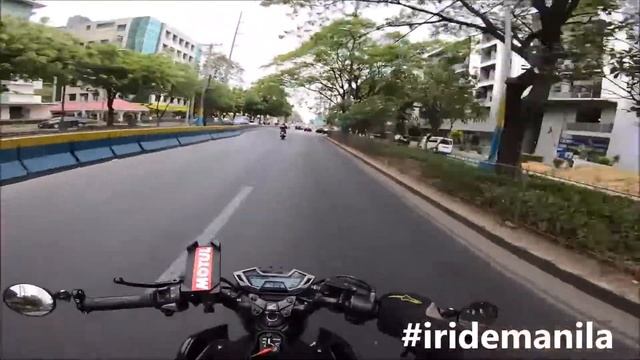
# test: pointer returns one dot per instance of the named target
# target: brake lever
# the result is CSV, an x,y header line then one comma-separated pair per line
x,y
154,285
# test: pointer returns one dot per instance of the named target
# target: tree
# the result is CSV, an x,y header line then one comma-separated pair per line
x,y
221,68
538,37
623,52
112,69
331,62
35,51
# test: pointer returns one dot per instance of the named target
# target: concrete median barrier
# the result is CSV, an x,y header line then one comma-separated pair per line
x,y
158,142
25,157
92,151
125,146
10,166
188,139
38,159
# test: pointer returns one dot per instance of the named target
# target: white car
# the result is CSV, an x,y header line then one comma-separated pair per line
x,y
241,120
440,144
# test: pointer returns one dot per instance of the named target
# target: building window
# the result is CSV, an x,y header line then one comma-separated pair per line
x,y
190,59
165,46
184,56
179,53
192,47
84,97
104,41
81,44
105,25
122,27
95,96
119,38
90,42
72,97
175,38
88,27
181,42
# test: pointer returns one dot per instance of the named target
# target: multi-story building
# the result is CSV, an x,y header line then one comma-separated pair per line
x,y
18,98
141,34
578,113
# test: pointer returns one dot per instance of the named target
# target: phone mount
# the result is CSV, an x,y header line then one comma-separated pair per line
x,y
202,271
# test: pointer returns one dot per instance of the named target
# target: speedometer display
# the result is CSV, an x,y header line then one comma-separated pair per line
x,y
268,281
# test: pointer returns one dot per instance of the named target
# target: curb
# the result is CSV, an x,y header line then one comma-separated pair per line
x,y
583,284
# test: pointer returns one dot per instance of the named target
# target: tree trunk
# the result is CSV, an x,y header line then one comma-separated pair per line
x,y
519,112
111,96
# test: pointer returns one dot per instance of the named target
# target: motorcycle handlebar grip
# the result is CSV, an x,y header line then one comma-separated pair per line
x,y
118,302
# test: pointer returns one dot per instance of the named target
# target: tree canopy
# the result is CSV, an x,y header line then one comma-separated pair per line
x,y
545,33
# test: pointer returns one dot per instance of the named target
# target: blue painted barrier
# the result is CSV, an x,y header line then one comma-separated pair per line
x,y
48,157
90,151
187,139
157,142
125,146
10,166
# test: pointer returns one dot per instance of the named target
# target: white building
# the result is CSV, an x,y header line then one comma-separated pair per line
x,y
582,113
18,101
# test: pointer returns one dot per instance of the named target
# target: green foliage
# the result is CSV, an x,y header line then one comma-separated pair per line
x,y
35,51
587,220
530,157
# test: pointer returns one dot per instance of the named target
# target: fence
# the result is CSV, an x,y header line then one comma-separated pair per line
x,y
594,222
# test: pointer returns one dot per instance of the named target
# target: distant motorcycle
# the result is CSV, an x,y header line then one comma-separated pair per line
x,y
282,135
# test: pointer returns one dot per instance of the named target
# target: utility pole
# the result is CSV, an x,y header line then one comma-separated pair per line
x,y
235,35
498,107
206,86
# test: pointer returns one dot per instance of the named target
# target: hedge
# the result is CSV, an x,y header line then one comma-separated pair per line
x,y
603,225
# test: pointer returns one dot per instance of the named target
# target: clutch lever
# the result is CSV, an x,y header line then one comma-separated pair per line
x,y
154,285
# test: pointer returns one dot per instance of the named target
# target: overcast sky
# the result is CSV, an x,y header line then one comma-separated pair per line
x,y
205,22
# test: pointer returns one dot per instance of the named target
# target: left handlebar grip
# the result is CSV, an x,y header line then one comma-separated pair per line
x,y
117,302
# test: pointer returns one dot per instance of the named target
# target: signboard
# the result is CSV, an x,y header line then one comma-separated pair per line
x,y
571,144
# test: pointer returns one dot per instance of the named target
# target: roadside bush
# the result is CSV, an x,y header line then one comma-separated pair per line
x,y
604,160
530,157
593,222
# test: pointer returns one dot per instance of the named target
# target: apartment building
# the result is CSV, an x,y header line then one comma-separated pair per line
x,y
579,113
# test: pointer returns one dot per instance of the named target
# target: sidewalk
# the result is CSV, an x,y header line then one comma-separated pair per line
x,y
601,281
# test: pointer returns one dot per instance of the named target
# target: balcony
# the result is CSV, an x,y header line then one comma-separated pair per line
x,y
460,67
9,99
590,127
575,94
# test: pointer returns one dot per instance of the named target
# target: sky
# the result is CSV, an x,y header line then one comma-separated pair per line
x,y
259,37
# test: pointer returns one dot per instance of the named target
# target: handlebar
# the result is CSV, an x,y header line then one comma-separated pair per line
x,y
118,302
154,299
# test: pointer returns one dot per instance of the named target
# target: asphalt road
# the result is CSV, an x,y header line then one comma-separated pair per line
x,y
297,203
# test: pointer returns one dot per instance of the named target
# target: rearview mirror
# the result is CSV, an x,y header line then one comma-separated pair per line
x,y
29,300
482,312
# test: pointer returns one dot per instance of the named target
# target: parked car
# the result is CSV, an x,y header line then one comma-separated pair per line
x,y
401,139
440,144
308,129
298,127
69,121
321,131
240,120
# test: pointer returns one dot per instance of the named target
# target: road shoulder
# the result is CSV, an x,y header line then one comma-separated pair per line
x,y
598,280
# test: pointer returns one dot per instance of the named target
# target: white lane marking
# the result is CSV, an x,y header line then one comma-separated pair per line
x,y
177,266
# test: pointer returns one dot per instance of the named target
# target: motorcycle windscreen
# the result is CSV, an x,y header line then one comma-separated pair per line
x,y
203,268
